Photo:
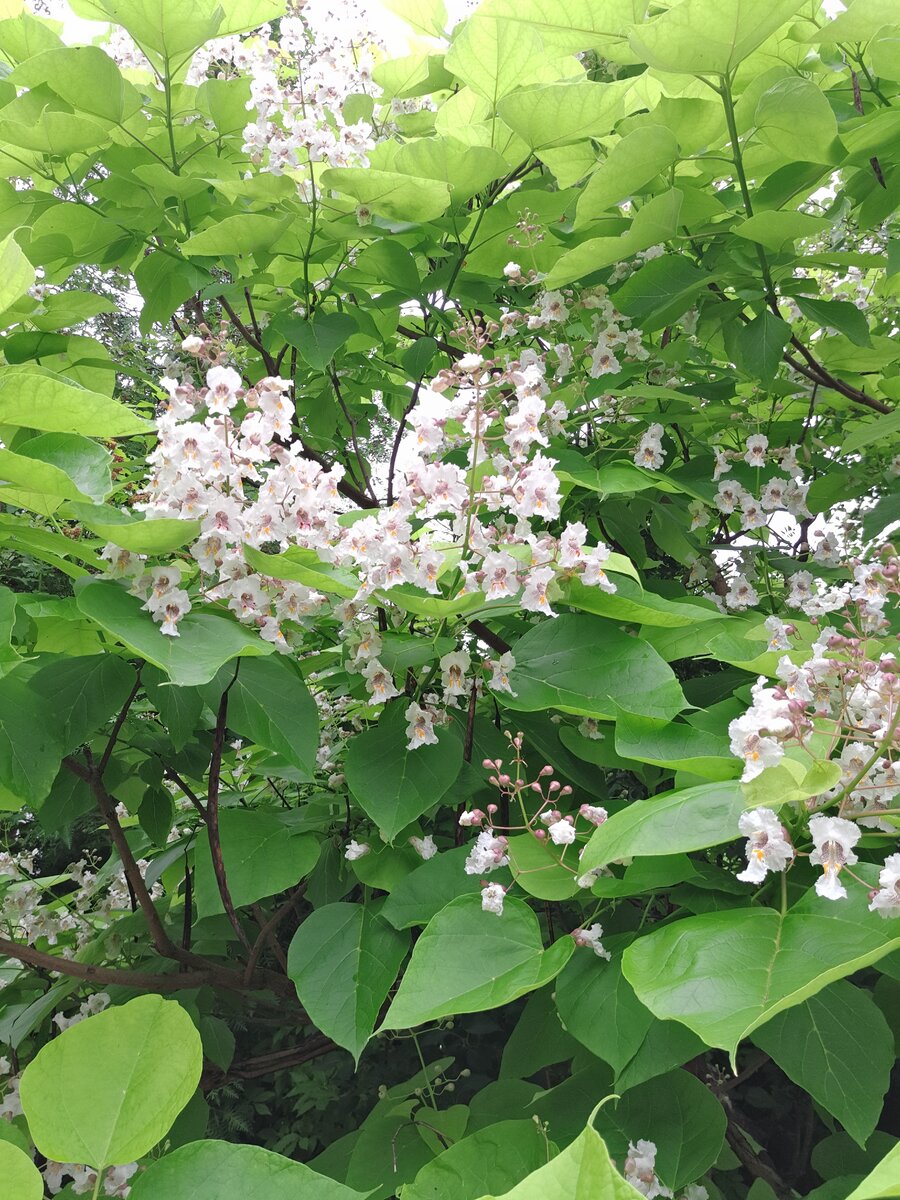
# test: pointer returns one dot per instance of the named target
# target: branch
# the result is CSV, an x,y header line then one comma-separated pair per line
x,y
172,774
107,806
489,638
335,382
212,815
117,727
249,337
398,437
110,976
267,1064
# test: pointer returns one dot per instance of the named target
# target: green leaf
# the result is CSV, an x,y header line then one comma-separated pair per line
x,y
30,743
132,1068
583,1171
83,693
495,57
38,478
680,1114
675,745
838,1047
83,461
655,222
597,1005
163,26
303,566
573,26
872,431
708,37
21,1178
775,230
343,960
426,16
262,855
85,77
761,344
319,338
179,708
839,315
725,974
670,823
165,283
466,169
884,1181
390,193
858,23
537,869
430,887
468,960
234,1172
633,162
250,233
794,118
16,273
47,402
393,784
558,114
270,705
495,1157
660,291
631,603
585,665
206,640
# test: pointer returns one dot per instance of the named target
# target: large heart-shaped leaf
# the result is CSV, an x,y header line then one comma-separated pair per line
x,y
127,1073
588,666
342,960
206,639
583,1171
671,823
725,974
43,401
468,960
208,1170
393,784
21,1178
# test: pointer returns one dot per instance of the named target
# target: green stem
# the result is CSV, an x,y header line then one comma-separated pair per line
x,y
429,1091
96,1191
738,160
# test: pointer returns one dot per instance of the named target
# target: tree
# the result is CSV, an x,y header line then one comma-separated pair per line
x,y
449,631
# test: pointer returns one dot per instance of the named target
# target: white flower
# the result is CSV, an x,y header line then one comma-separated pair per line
x,y
640,1170
741,594
591,937
453,672
492,897
834,839
356,850
767,846
470,363
778,634
757,751
379,681
562,833
593,813
886,901
474,817
224,383
500,672
512,271
534,594
757,445
419,727
650,453
487,854
424,847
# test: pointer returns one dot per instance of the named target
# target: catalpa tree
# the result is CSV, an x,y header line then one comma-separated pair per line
x,y
449,694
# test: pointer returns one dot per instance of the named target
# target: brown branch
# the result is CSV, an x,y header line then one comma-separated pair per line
x,y
117,726
212,814
172,774
249,337
107,806
267,1064
414,334
494,640
753,1164
111,976
335,382
267,928
398,437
